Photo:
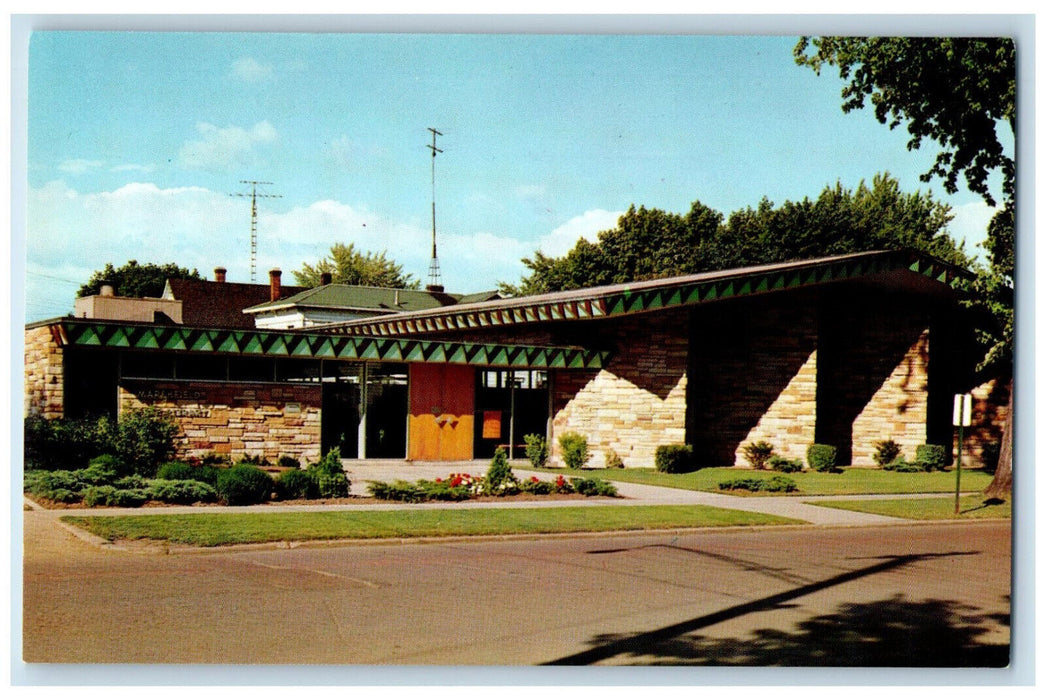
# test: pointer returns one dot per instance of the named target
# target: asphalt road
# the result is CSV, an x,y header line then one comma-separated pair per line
x,y
908,595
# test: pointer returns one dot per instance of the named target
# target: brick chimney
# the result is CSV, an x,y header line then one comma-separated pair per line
x,y
325,278
219,274
274,284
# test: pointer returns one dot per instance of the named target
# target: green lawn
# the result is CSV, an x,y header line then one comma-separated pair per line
x,y
927,508
849,482
213,529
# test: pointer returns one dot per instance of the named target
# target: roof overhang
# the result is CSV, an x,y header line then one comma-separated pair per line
x,y
306,345
652,295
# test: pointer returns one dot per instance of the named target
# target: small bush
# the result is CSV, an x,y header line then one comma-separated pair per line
x,y
574,447
500,479
775,484
181,491
784,465
180,471
145,440
330,475
288,461
931,457
900,464
613,460
114,497
758,453
593,487
536,486
537,450
133,482
561,485
398,490
821,457
243,485
296,484
673,459
886,451
441,490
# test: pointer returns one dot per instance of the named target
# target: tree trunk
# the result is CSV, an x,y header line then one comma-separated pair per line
x,y
1002,485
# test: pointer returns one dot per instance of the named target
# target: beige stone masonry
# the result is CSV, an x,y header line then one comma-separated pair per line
x,y
44,374
268,420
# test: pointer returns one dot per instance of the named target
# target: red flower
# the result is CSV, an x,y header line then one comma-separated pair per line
x,y
439,480
560,481
535,479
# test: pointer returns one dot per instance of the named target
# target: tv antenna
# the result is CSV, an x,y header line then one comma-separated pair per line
x,y
435,282
254,217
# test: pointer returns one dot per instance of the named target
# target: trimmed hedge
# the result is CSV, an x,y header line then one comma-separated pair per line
x,y
784,465
183,492
931,457
244,485
774,484
674,459
297,484
821,457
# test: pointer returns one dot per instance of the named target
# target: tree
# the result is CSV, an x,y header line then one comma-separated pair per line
x,y
346,265
955,91
650,243
134,280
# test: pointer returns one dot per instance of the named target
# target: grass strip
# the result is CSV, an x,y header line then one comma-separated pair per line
x,y
970,507
214,529
849,482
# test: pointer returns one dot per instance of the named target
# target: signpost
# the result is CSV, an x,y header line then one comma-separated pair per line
x,y
961,417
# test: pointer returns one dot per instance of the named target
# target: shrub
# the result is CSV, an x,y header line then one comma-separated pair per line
x,y
182,491
758,453
673,459
561,485
613,460
329,475
296,483
900,464
175,471
132,481
62,485
574,447
593,487
500,479
114,497
244,484
145,440
288,461
537,450
821,457
886,451
787,466
441,490
536,486
398,490
64,444
931,457
774,484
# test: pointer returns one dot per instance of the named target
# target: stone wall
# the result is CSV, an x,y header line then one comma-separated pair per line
x,y
235,419
638,401
44,375
982,439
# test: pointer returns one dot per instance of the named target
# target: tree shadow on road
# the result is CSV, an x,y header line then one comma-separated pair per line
x,y
893,633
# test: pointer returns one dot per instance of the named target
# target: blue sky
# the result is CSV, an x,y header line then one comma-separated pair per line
x,y
137,139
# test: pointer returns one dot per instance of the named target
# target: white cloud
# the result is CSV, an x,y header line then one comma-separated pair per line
x,y
561,239
132,167
250,70
224,147
77,166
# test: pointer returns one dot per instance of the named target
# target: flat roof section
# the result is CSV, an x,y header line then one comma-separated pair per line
x,y
650,295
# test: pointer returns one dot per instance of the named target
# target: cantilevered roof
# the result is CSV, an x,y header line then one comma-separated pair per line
x,y
307,345
372,300
651,295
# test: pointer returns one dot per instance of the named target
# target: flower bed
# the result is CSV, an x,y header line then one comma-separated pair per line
x,y
460,487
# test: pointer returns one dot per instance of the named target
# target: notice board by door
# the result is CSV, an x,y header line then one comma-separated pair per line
x,y
442,401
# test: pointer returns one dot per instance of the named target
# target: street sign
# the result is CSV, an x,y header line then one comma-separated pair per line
x,y
962,410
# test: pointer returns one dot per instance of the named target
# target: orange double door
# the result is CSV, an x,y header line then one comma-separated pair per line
x,y
442,412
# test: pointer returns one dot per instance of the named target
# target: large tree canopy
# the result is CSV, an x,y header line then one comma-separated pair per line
x,y
650,243
346,265
956,91
953,90
134,280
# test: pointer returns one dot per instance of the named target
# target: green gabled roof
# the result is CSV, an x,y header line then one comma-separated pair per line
x,y
652,295
370,300
302,344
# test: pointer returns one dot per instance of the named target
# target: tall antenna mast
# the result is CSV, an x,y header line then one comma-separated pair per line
x,y
254,217
435,281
